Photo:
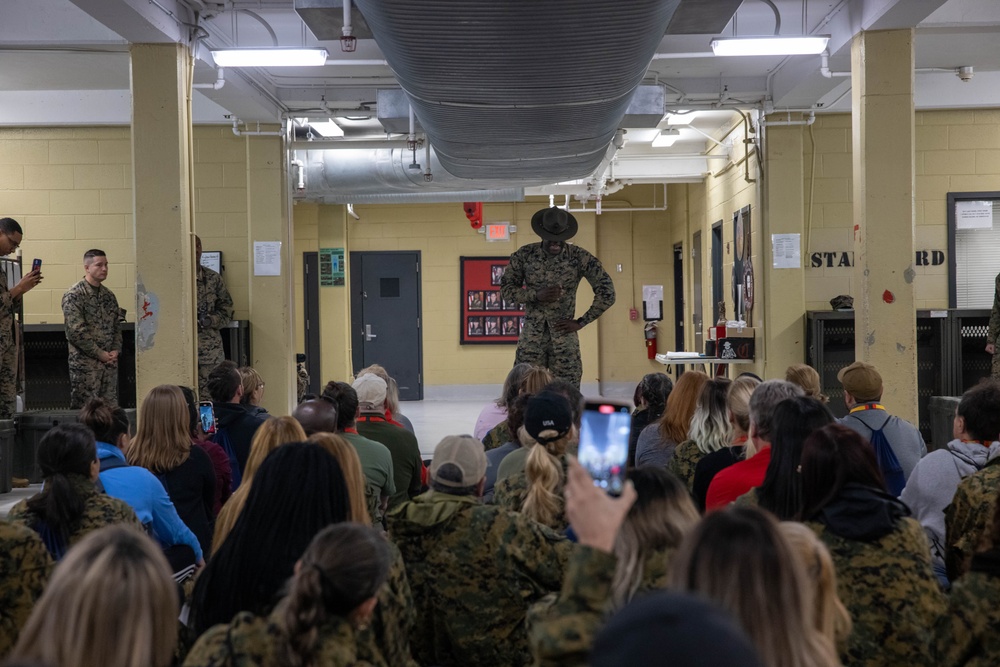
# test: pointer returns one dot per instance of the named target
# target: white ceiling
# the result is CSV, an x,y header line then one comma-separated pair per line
x,y
66,62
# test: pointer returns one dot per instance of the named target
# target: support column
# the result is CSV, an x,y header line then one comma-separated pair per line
x,y
166,335
271,297
785,301
885,317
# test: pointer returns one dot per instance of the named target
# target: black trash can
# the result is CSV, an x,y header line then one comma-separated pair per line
x,y
31,426
6,454
942,409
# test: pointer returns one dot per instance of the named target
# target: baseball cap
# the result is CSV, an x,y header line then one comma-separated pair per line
x,y
459,461
371,389
547,411
861,381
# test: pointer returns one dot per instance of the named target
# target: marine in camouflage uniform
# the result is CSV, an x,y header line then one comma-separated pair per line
x,y
891,593
301,381
254,641
25,567
387,639
93,331
562,633
215,311
685,461
511,492
967,634
969,515
992,345
544,277
10,239
474,569
99,511
497,436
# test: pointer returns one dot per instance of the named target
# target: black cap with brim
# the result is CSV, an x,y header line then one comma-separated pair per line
x,y
554,224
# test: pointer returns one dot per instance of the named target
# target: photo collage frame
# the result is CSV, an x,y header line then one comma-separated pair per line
x,y
487,319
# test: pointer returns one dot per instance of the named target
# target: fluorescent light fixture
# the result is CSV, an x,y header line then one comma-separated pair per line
x,y
681,117
327,129
666,138
269,57
770,46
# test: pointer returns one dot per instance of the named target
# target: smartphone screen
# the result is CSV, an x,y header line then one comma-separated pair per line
x,y
207,415
603,448
36,264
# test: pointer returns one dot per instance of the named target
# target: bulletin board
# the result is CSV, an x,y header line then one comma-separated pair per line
x,y
486,318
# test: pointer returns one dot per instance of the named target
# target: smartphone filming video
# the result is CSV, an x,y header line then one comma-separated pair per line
x,y
207,415
603,448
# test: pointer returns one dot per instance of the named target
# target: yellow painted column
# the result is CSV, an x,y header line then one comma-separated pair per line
x,y
785,302
883,124
335,302
166,335
271,296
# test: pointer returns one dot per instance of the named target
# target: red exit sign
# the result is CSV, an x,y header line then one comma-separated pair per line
x,y
498,232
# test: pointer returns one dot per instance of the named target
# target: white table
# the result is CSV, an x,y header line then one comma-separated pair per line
x,y
714,362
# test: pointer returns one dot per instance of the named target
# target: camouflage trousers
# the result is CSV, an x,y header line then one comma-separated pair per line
x,y
996,364
89,378
560,354
208,359
8,388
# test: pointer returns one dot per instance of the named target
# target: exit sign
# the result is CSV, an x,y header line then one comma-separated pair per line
x,y
499,231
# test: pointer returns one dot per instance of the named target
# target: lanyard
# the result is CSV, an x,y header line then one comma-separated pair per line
x,y
738,441
984,443
867,406
351,430
371,419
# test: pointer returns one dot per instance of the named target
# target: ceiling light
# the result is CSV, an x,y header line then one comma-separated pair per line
x,y
269,57
770,46
666,138
327,129
681,117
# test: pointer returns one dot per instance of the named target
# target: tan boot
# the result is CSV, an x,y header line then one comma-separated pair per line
x,y
19,483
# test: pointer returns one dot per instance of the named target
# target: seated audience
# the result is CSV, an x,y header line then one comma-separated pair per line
x,y
884,574
137,486
69,506
806,377
933,482
792,421
967,632
496,411
738,408
495,457
474,568
272,434
236,424
537,492
533,381
25,567
350,467
732,482
710,431
392,412
371,422
220,460
376,460
514,462
862,392
968,517
650,400
162,445
657,441
253,390
110,602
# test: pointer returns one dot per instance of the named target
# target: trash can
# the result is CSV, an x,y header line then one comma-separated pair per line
x,y
942,409
6,454
31,426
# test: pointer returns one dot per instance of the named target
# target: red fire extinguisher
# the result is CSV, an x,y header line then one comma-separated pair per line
x,y
650,330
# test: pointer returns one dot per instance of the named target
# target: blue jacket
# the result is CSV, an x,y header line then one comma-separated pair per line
x,y
139,488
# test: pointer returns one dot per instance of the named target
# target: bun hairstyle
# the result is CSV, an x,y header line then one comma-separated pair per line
x,y
343,567
67,450
108,422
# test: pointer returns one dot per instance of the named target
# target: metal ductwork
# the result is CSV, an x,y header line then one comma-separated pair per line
x,y
385,175
519,90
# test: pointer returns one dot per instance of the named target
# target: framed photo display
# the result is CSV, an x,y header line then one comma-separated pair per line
x,y
487,319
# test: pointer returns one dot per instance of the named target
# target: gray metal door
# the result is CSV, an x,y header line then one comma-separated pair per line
x,y
697,311
310,282
385,317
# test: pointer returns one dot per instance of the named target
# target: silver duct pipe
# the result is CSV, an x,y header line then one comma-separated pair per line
x,y
504,195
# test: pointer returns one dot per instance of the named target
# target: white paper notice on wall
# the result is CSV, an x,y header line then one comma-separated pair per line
x,y
652,302
267,258
786,251
973,215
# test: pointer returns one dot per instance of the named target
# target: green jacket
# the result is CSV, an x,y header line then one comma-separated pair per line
x,y
967,634
24,570
474,569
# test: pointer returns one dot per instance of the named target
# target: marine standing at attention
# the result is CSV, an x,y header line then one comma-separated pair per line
x,y
94,333
10,239
544,277
215,311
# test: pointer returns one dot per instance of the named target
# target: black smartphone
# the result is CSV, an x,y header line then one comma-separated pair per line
x,y
603,450
36,264
207,415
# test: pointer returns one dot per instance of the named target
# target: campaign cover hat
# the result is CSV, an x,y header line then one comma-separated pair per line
x,y
554,224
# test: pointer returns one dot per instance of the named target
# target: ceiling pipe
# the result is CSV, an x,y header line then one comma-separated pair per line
x,y
781,123
824,67
220,81
255,133
340,144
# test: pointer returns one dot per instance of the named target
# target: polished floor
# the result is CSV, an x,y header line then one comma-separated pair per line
x,y
431,419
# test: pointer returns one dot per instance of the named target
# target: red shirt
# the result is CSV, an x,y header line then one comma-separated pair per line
x,y
737,479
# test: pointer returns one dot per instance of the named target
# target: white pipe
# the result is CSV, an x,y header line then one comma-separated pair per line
x,y
347,31
220,81
347,63
428,176
350,212
707,136
413,126
781,123
824,67
335,144
552,201
619,210
300,181
255,133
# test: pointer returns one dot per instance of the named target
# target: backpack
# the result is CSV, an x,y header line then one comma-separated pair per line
x,y
221,438
892,471
109,464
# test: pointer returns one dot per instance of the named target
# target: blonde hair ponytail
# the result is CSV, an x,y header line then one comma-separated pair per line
x,y
544,474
